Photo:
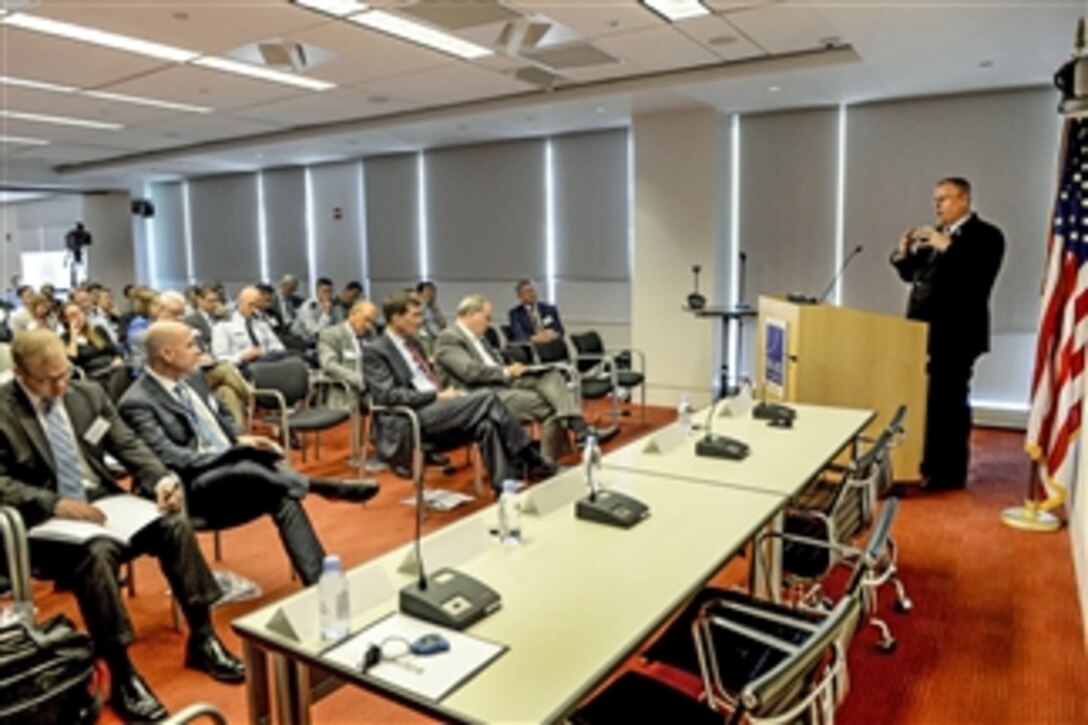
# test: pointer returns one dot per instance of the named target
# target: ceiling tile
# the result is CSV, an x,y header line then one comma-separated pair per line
x,y
65,104
338,107
449,84
207,128
593,19
722,39
786,28
662,48
222,91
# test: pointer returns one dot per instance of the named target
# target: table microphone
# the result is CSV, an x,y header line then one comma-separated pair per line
x,y
715,446
447,597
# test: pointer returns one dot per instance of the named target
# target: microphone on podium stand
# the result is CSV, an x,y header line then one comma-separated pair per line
x,y
846,263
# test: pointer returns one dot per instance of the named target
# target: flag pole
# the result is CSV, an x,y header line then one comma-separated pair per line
x,y
1033,515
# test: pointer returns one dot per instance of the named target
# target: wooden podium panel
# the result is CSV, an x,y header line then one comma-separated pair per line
x,y
853,358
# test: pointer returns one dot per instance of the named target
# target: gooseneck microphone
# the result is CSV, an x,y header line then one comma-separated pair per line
x,y
846,263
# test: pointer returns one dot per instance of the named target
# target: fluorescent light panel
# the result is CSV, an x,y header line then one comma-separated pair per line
x,y
262,226
840,203
23,140
103,38
187,230
733,340
364,254
266,74
674,10
421,215
339,8
59,120
417,33
100,95
311,240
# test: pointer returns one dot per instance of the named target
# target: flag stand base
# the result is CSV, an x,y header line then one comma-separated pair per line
x,y
1030,517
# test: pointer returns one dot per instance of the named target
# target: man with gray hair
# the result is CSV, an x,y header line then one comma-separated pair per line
x,y
466,360
287,300
245,338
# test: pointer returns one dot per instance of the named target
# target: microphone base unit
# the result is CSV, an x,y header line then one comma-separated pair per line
x,y
800,299
780,416
451,599
612,509
715,446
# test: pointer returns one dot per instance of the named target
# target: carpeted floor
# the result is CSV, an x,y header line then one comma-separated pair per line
x,y
995,635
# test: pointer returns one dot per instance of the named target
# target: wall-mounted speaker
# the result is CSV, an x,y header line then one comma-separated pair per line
x,y
143,208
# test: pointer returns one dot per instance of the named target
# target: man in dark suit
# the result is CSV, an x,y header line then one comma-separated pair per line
x,y
288,300
53,439
229,478
397,373
466,360
951,268
532,320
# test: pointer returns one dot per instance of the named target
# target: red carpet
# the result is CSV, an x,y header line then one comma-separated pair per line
x,y
995,635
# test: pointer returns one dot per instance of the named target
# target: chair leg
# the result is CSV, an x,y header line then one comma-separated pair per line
x,y
217,543
175,612
477,470
130,579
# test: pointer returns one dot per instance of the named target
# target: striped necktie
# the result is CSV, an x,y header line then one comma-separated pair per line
x,y
65,451
213,440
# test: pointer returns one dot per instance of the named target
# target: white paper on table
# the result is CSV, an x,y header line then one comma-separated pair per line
x,y
429,676
125,516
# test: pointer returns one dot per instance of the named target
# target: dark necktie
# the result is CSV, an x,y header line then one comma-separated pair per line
x,y
65,452
252,332
421,361
209,438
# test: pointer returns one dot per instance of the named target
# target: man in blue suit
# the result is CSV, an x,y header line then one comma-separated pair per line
x,y
532,320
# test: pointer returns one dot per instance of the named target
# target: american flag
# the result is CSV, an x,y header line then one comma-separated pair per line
x,y
1057,387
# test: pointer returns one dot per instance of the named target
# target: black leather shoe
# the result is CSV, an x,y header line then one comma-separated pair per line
x,y
208,655
431,458
542,471
133,700
348,489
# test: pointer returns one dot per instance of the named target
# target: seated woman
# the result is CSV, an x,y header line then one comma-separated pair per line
x,y
145,309
41,313
90,348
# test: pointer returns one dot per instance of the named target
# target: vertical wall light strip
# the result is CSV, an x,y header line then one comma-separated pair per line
x,y
549,218
421,213
734,241
311,252
364,254
149,236
840,203
187,230
262,227
631,205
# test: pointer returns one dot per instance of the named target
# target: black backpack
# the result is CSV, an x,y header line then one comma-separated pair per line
x,y
47,671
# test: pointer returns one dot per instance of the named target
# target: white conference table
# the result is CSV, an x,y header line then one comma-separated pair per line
x,y
781,462
577,599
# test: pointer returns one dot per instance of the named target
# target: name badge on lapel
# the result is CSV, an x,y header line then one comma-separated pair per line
x,y
98,429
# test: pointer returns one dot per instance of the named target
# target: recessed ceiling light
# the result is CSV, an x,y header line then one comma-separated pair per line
x,y
59,120
266,74
774,89
339,8
417,33
23,140
986,64
98,37
674,10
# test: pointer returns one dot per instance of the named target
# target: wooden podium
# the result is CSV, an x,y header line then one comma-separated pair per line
x,y
841,356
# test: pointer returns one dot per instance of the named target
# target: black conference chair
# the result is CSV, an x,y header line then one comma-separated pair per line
x,y
592,355
556,352
284,387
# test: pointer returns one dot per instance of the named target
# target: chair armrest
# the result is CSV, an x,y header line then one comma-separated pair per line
x,y
197,710
13,534
281,406
417,435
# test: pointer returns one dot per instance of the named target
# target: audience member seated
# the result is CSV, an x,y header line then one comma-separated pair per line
x,y
90,348
40,314
245,338
340,351
105,313
20,319
466,360
288,301
268,310
397,373
532,320
347,298
209,310
54,435
145,308
317,313
229,478
434,321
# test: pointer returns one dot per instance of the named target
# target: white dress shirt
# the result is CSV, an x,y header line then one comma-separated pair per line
x,y
420,380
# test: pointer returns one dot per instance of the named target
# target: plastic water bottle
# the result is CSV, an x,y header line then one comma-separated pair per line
x,y
683,414
591,464
333,593
509,514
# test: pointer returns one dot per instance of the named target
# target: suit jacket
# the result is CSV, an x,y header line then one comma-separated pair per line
x,y
521,325
951,290
200,323
341,359
389,381
27,470
460,365
161,421
310,319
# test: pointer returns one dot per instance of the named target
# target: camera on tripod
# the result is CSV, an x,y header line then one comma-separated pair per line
x,y
76,240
